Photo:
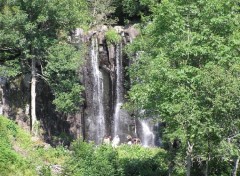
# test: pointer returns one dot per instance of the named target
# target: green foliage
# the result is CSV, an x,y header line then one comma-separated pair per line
x,y
51,155
45,171
131,11
186,72
19,155
93,161
62,139
10,69
61,73
101,12
136,160
88,159
112,36
137,8
11,163
31,30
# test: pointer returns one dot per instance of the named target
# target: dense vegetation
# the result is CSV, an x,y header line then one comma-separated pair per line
x,y
185,74
90,160
22,155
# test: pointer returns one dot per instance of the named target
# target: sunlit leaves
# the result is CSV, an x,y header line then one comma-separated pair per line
x,y
61,73
39,30
188,71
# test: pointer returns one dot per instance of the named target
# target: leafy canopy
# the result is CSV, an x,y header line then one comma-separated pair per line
x,y
39,30
186,71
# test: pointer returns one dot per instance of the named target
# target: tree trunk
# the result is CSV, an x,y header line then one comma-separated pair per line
x,y
236,161
189,157
206,169
208,159
33,98
1,101
189,165
3,106
170,168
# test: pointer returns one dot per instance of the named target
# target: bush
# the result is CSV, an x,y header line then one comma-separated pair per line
x,y
19,155
11,163
92,161
104,160
112,36
137,160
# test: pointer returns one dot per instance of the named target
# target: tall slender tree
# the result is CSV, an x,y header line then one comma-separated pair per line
x,y
29,29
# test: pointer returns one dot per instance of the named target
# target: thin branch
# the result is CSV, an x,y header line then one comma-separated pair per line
x,y
230,138
43,77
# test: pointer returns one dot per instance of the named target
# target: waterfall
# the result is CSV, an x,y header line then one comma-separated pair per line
x,y
104,83
119,89
148,137
98,112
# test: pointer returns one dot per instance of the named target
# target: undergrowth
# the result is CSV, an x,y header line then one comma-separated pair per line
x,y
20,155
23,155
104,160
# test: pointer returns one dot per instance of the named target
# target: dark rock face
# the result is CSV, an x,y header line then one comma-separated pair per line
x,y
55,128
108,87
15,97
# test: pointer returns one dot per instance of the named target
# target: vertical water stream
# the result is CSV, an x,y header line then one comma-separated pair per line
x,y
98,109
119,89
148,137
105,115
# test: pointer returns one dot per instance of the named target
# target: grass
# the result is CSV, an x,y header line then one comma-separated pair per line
x,y
23,155
20,155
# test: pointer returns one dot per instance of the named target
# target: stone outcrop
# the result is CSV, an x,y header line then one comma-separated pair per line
x,y
107,54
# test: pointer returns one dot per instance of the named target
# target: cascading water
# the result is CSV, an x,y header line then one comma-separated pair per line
x,y
120,122
148,137
119,89
104,83
98,112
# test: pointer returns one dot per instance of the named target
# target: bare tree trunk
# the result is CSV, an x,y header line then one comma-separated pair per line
x,y
206,169
236,161
33,98
189,165
3,106
170,168
189,157
1,101
208,158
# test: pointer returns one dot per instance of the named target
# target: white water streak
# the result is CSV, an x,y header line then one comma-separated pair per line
x,y
119,88
97,92
148,136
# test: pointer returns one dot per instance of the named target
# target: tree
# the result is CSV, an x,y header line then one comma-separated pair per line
x,y
101,12
63,61
131,11
187,73
29,32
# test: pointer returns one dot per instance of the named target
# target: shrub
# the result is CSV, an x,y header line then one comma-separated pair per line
x,y
11,163
92,161
136,160
104,160
19,155
112,36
